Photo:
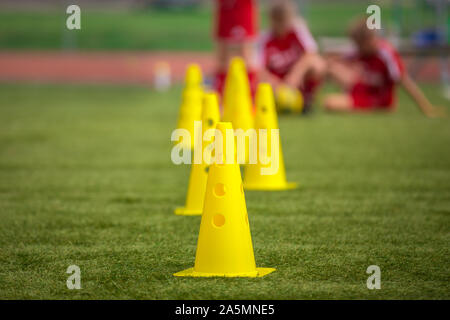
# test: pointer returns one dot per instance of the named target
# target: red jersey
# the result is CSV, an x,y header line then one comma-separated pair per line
x,y
279,54
379,73
236,20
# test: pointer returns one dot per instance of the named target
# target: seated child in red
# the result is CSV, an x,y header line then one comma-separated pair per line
x,y
288,53
370,75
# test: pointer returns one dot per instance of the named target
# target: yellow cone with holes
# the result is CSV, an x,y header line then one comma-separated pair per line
x,y
267,174
199,171
191,104
224,247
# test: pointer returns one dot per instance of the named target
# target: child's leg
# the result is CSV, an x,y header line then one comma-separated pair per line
x,y
223,53
345,74
307,75
338,102
308,90
310,66
246,51
316,67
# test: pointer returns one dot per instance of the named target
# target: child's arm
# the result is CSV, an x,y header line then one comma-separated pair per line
x,y
310,62
414,91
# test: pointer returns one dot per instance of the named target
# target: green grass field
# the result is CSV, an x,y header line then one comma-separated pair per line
x,y
192,29
86,179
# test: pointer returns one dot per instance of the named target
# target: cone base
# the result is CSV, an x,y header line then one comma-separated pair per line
x,y
260,272
261,187
183,211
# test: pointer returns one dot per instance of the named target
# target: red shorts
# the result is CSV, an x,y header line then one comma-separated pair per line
x,y
236,20
365,97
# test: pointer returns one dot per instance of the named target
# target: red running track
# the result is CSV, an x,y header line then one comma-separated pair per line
x,y
95,67
124,67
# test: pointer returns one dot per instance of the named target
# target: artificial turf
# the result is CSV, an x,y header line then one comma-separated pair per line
x,y
86,179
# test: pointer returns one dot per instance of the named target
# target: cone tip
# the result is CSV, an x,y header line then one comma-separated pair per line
x,y
264,94
237,65
264,86
210,97
193,67
236,60
193,74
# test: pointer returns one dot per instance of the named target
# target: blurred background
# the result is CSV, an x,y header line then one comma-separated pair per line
x,y
124,40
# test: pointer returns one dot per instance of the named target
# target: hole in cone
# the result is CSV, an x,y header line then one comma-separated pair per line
x,y
218,220
206,169
219,190
210,122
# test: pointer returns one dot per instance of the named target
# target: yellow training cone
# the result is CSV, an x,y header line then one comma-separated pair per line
x,y
270,174
191,105
190,111
238,102
242,117
236,70
199,171
224,247
193,77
